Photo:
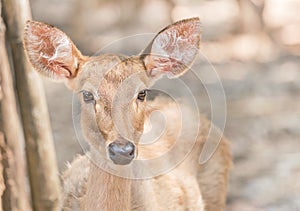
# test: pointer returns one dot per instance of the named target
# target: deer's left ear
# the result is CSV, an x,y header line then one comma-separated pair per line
x,y
174,49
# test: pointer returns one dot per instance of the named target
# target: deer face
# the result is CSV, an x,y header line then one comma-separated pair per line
x,y
113,92
112,88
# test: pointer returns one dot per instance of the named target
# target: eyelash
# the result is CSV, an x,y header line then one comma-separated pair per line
x,y
142,95
88,97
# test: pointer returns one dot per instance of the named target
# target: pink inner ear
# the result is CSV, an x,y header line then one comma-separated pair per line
x,y
49,50
174,48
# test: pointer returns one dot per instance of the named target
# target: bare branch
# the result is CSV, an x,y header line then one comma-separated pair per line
x,y
43,172
12,157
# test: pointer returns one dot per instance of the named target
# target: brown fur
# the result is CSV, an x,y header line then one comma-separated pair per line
x,y
179,189
115,113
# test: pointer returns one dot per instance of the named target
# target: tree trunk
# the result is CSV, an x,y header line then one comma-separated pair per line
x,y
2,185
42,166
15,196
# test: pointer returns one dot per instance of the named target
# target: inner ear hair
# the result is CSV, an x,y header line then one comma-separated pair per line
x,y
50,51
173,49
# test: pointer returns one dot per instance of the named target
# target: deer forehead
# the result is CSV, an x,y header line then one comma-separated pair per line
x,y
112,77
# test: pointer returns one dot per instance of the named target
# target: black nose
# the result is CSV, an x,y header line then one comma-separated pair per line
x,y
121,153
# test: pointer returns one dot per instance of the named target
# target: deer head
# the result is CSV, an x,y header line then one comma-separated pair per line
x,y
112,88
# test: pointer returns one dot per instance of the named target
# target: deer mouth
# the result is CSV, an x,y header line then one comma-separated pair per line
x,y
120,160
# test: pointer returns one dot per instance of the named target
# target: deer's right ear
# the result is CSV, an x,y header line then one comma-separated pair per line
x,y
50,51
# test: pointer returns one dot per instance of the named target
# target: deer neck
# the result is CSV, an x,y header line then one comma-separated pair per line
x,y
106,191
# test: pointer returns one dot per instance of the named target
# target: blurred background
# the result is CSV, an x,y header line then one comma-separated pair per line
x,y
254,46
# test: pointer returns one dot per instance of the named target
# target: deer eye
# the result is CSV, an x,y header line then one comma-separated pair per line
x,y
88,97
142,95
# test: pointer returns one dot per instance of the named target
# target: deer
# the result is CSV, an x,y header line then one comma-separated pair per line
x,y
115,112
